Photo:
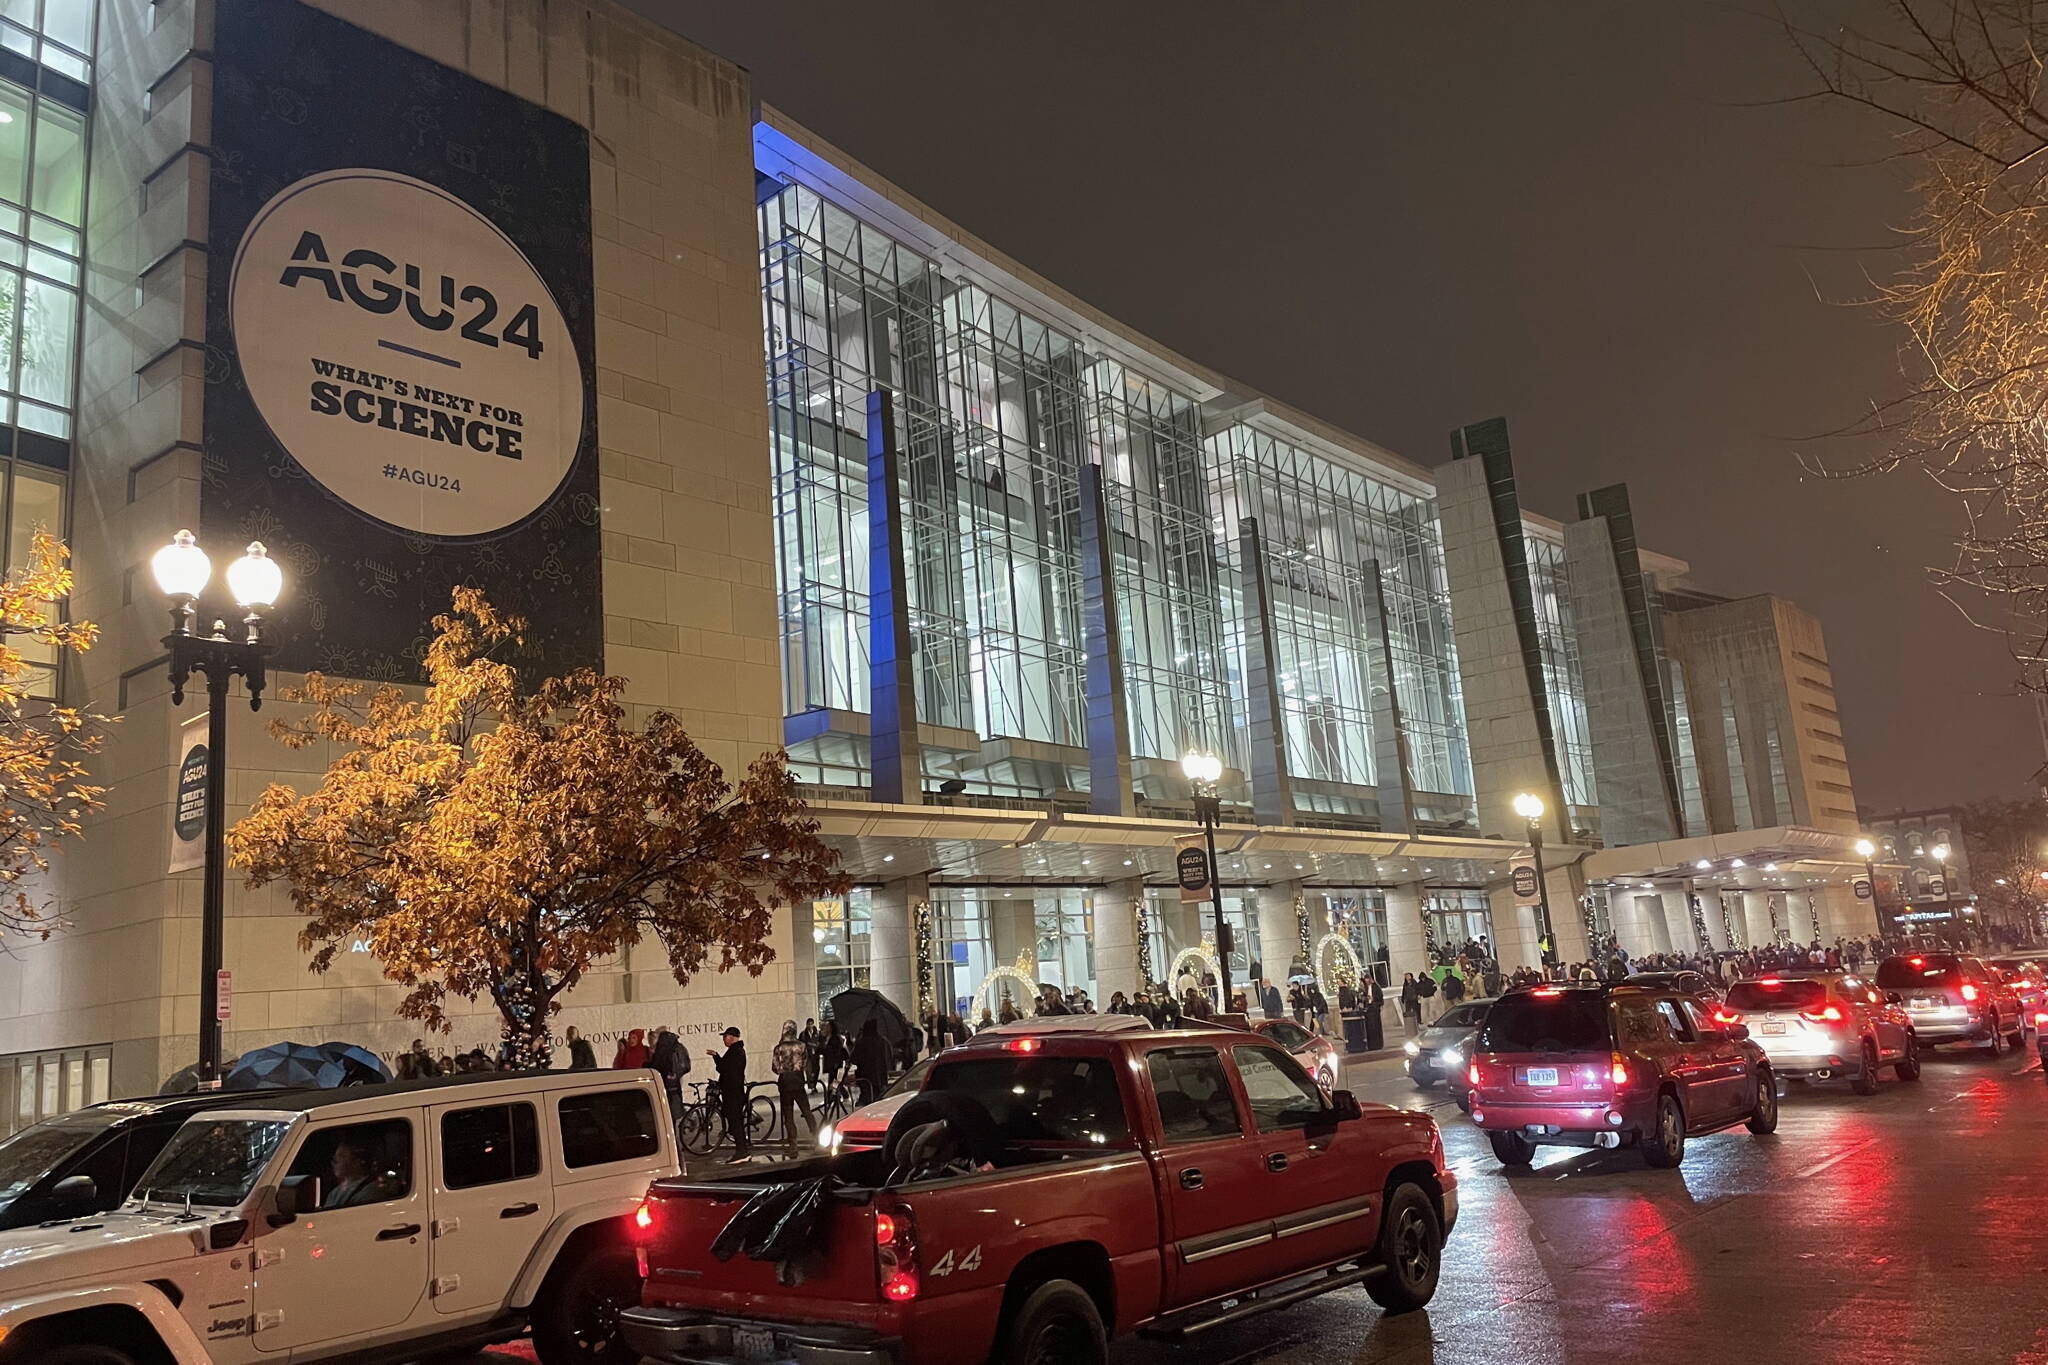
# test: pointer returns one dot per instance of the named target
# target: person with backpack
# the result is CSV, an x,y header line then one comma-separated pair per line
x,y
671,1062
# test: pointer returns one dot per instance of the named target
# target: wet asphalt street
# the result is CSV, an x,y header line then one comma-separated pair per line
x,y
1910,1226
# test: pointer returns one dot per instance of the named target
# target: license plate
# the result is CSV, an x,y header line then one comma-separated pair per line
x,y
1540,1075
1926,1002
751,1343
1772,1026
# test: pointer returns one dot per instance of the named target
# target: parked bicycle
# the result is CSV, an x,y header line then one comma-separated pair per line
x,y
701,1128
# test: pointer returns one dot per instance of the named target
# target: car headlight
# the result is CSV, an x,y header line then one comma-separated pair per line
x,y
828,1139
1451,1057
1411,1047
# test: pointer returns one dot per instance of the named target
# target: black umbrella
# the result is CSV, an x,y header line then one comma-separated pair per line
x,y
286,1066
851,1009
360,1066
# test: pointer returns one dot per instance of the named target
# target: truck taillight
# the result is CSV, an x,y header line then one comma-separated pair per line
x,y
896,1254
1472,1074
1617,1070
643,1220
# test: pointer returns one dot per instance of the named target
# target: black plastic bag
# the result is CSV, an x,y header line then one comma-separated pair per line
x,y
780,1224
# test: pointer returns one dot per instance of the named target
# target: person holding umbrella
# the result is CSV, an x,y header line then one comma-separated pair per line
x,y
871,1061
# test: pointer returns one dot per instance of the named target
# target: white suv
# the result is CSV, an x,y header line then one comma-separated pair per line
x,y
392,1221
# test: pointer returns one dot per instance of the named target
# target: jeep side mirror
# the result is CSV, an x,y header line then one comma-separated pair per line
x,y
1894,998
1738,1032
298,1194
75,1194
1344,1105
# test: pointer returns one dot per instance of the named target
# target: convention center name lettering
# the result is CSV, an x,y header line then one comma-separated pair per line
x,y
415,409
364,280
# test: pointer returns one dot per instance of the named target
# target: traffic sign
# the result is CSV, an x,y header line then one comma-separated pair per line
x,y
223,995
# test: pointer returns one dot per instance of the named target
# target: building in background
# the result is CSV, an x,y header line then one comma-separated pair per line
x,y
1928,885
810,447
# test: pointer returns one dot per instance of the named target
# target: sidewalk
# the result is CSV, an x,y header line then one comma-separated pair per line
x,y
1355,1058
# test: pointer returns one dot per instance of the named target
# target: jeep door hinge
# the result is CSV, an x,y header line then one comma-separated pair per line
x,y
446,1284
266,1321
444,1226
266,1256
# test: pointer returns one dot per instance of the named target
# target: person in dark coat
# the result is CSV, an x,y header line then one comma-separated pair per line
x,y
1411,1003
732,1089
834,1052
582,1057
668,1060
1371,996
871,1061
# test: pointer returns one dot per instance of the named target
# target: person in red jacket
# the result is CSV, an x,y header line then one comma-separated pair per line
x,y
633,1052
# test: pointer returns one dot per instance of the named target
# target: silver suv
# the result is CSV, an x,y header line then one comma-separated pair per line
x,y
1820,1025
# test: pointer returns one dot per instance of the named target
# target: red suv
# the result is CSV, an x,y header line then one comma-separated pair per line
x,y
1608,1066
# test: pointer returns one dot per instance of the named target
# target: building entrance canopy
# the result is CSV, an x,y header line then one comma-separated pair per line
x,y
960,843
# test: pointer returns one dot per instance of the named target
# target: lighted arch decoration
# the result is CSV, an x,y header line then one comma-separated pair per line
x,y
1026,982
1329,982
1202,954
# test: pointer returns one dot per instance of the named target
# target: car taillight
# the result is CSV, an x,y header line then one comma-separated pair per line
x,y
1472,1074
1969,993
896,1254
1617,1069
2041,1019
642,1231
1021,1045
1826,1014
1726,1017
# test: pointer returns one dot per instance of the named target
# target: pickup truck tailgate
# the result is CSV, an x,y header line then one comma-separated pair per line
x,y
837,1283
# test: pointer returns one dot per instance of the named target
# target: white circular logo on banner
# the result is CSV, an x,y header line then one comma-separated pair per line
x,y
406,353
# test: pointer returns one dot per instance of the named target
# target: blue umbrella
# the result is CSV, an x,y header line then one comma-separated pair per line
x,y
360,1066
286,1066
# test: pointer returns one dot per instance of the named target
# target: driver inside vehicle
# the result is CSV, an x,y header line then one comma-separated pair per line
x,y
355,1178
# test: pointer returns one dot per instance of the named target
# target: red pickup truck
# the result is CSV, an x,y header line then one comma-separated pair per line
x,y
1051,1189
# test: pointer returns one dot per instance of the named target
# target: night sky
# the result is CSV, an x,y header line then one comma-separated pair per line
x,y
1405,218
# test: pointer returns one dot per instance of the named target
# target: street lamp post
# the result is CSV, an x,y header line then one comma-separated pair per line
x,y
1529,806
1203,772
1868,852
181,570
1940,854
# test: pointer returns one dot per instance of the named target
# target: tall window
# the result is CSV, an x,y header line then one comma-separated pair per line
x,y
841,942
1563,683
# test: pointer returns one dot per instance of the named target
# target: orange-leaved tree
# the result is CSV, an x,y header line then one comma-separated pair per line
x,y
44,794
496,839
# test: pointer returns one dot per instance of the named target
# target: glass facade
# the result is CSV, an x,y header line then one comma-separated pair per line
x,y
1564,685
1324,528
842,944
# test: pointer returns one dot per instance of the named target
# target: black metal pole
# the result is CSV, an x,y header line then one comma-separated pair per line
x,y
1876,906
213,898
1216,900
1543,894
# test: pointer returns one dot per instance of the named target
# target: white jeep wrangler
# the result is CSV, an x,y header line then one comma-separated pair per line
x,y
391,1222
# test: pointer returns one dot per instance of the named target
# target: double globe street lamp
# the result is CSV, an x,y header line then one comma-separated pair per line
x,y
1867,851
182,570
1204,771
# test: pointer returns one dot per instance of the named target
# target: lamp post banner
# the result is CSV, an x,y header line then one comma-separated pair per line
x,y
189,758
1191,868
399,337
1528,886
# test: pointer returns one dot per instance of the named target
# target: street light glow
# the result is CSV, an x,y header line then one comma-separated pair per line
x,y
254,579
1939,853
181,568
1529,806
1864,848
1201,767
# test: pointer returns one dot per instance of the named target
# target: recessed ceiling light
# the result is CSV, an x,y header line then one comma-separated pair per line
x,y
1703,864
888,857
1127,862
